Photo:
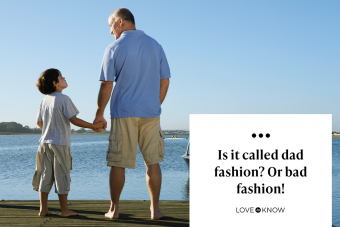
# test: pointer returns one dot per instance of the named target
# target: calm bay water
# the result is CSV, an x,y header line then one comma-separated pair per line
x,y
336,181
90,175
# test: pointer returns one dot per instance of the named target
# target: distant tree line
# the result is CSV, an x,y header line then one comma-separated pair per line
x,y
14,127
17,128
82,130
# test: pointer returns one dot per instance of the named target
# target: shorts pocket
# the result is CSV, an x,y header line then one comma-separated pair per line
x,y
114,152
67,182
161,149
35,180
68,159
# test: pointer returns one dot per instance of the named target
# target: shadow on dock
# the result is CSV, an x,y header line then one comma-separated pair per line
x,y
91,213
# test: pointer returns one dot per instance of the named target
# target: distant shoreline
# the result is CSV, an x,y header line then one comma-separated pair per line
x,y
102,134
83,134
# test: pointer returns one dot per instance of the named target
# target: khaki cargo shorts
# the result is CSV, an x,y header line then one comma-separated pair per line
x,y
53,164
126,132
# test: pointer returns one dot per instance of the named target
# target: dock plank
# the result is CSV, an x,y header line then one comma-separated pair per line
x,y
91,213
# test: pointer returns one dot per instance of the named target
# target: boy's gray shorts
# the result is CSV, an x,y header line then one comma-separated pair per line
x,y
53,164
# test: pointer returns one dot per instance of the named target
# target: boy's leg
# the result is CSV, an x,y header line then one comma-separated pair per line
x,y
65,212
62,167
43,204
46,182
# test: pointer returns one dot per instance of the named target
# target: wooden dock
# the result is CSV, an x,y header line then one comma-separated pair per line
x,y
91,213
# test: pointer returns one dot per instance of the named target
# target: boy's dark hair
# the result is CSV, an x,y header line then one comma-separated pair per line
x,y
45,81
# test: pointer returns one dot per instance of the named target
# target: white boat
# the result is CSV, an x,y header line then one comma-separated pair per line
x,y
174,138
186,156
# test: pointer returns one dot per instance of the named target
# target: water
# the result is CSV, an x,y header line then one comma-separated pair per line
x,y
336,181
90,175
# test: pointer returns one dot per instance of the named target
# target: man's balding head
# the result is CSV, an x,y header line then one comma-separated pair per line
x,y
121,20
123,13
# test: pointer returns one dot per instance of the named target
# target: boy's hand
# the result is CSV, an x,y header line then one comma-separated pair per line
x,y
40,124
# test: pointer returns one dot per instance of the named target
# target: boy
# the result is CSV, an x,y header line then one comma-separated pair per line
x,y
54,160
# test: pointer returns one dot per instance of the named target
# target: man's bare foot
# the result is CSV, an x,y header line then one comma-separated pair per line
x,y
68,213
45,213
156,215
112,214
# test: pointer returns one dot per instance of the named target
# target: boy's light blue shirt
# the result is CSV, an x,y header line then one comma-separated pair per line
x,y
136,63
55,111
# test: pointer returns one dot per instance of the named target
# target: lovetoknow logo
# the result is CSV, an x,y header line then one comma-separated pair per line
x,y
260,209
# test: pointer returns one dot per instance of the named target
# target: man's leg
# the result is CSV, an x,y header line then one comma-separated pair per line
x,y
117,180
151,144
154,181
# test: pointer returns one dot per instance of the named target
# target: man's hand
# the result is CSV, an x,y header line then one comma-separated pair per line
x,y
100,120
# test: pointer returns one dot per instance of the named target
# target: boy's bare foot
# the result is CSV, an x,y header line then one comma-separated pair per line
x,y
156,215
45,213
68,213
112,214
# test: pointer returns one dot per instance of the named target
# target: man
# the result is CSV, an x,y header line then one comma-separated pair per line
x,y
139,68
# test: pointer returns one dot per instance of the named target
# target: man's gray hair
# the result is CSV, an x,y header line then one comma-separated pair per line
x,y
125,14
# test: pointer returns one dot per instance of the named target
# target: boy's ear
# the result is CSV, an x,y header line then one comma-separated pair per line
x,y
54,83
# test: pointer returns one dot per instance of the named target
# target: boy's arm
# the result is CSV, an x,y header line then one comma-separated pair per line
x,y
40,124
83,124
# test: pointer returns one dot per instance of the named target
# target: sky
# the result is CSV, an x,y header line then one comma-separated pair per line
x,y
225,57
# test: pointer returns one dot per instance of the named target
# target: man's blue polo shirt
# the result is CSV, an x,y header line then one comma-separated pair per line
x,y
137,63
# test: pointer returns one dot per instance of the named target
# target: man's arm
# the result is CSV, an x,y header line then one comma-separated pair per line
x,y
103,98
40,124
164,88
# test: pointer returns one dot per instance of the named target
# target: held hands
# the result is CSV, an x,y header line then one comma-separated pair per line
x,y
98,127
102,122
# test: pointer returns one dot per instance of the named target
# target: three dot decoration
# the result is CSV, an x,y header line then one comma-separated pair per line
x,y
260,135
